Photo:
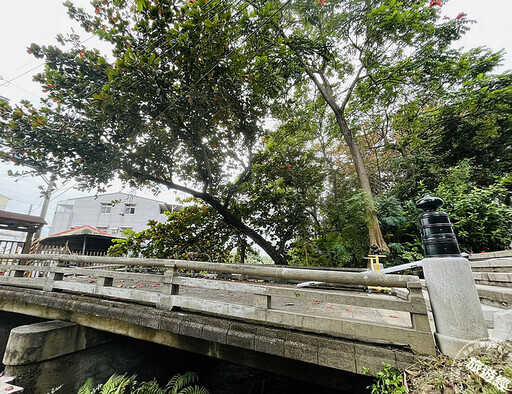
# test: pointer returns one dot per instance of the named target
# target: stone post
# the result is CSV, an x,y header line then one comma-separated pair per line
x,y
452,291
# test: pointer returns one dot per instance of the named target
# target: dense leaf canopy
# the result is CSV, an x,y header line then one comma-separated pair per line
x,y
365,96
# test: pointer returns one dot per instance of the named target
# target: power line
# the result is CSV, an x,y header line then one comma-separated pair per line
x,y
235,48
18,87
174,46
20,67
36,67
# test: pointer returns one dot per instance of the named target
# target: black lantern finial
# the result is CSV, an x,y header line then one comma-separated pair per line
x,y
436,230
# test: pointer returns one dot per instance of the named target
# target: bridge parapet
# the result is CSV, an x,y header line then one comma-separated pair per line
x,y
355,315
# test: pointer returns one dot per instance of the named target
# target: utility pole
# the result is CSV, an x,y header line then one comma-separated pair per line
x,y
46,202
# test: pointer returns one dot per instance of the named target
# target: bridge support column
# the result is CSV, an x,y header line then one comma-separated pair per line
x,y
455,304
35,354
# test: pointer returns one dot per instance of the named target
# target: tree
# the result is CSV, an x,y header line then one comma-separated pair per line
x,y
195,233
469,123
284,193
481,218
180,106
366,50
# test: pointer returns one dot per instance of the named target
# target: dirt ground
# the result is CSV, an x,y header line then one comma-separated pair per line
x,y
485,368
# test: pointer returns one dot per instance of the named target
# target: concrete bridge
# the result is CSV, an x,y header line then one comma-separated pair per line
x,y
253,315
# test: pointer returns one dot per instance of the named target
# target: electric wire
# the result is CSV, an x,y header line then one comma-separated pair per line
x,y
140,80
6,82
143,51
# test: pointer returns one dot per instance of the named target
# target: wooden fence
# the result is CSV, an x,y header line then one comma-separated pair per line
x,y
261,302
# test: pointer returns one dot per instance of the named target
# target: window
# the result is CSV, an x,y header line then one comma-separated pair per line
x,y
65,207
129,209
102,228
106,207
114,230
169,208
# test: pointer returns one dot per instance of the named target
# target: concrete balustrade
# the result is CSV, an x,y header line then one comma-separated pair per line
x,y
262,304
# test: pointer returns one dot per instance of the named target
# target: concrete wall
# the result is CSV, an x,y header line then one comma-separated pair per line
x,y
39,373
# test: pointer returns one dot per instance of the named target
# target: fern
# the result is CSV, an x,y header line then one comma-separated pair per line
x,y
118,384
194,390
87,388
149,388
179,382
55,389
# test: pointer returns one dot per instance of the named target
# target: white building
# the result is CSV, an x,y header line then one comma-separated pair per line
x,y
3,201
110,212
7,235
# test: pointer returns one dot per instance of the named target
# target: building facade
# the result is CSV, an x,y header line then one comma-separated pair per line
x,y
3,201
111,213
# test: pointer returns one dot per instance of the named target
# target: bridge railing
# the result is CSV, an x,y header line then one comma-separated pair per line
x,y
326,311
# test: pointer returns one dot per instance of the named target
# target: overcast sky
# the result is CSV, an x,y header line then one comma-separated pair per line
x,y
25,21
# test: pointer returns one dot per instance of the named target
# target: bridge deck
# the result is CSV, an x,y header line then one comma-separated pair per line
x,y
291,304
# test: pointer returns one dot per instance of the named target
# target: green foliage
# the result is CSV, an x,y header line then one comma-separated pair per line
x,y
195,233
472,122
481,218
401,229
120,384
348,217
388,381
343,238
181,384
54,389
282,196
180,105
116,384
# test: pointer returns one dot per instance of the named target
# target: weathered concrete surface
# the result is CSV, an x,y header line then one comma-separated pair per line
x,y
455,304
501,279
489,312
503,325
500,297
272,348
7,322
491,255
30,344
71,370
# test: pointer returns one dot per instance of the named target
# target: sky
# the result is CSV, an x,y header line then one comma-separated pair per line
x,y
25,21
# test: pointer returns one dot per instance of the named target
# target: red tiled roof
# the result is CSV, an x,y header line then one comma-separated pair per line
x,y
82,230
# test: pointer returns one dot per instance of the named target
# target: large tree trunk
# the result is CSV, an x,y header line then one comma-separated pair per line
x,y
326,91
226,214
374,231
232,220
